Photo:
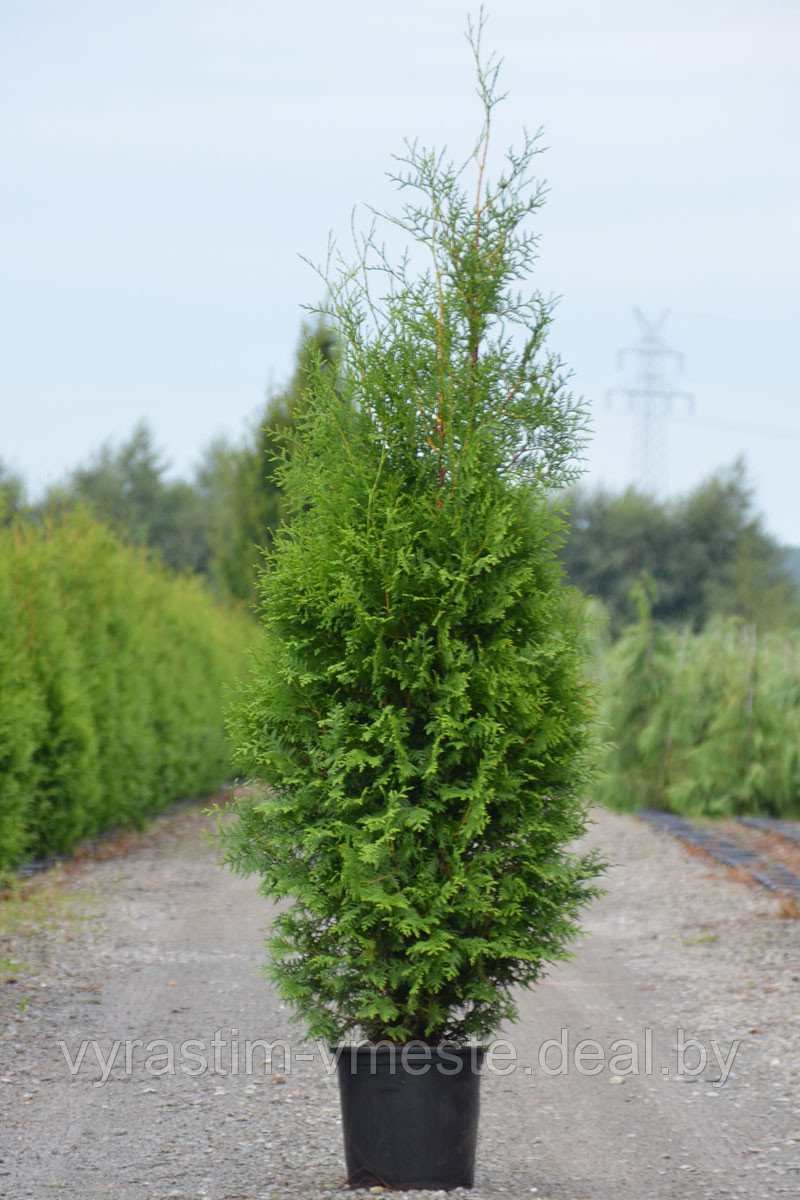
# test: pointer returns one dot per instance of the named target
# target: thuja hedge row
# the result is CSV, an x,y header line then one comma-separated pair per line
x,y
703,724
112,672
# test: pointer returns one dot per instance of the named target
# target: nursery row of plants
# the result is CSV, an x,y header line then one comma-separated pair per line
x,y
111,677
703,724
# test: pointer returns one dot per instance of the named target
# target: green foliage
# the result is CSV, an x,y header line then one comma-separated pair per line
x,y
703,724
212,524
127,489
791,562
111,671
23,715
636,682
12,494
419,714
707,553
251,506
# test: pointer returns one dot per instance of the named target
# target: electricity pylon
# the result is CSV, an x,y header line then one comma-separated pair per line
x,y
652,400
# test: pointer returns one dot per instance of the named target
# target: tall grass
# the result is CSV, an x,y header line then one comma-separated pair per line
x,y
112,672
703,724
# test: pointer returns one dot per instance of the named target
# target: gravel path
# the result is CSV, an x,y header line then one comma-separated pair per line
x,y
170,950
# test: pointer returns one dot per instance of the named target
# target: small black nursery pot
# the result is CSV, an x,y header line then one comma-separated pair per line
x,y
410,1114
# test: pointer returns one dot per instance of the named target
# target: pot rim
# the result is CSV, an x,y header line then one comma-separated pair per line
x,y
422,1049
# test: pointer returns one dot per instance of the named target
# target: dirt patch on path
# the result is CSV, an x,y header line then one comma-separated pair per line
x,y
158,945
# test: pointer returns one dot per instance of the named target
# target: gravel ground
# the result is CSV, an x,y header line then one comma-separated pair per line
x,y
150,941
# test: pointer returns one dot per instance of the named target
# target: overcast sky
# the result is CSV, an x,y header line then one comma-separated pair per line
x,y
167,162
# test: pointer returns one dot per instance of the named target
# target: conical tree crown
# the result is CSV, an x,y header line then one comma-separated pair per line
x,y
419,711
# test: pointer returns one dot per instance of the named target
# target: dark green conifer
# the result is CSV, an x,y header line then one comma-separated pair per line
x,y
248,492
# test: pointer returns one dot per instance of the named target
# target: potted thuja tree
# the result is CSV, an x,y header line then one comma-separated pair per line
x,y
417,716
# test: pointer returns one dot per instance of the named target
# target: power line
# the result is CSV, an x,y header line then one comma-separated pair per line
x,y
652,400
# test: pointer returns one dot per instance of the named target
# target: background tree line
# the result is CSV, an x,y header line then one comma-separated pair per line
x,y
211,524
706,553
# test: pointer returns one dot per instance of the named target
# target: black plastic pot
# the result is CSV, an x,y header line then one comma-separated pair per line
x,y
410,1114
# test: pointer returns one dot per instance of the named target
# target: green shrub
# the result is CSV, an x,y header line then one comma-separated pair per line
x,y
419,710
704,724
23,717
111,676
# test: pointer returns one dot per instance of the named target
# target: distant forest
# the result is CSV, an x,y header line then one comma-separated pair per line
x,y
701,555
792,561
